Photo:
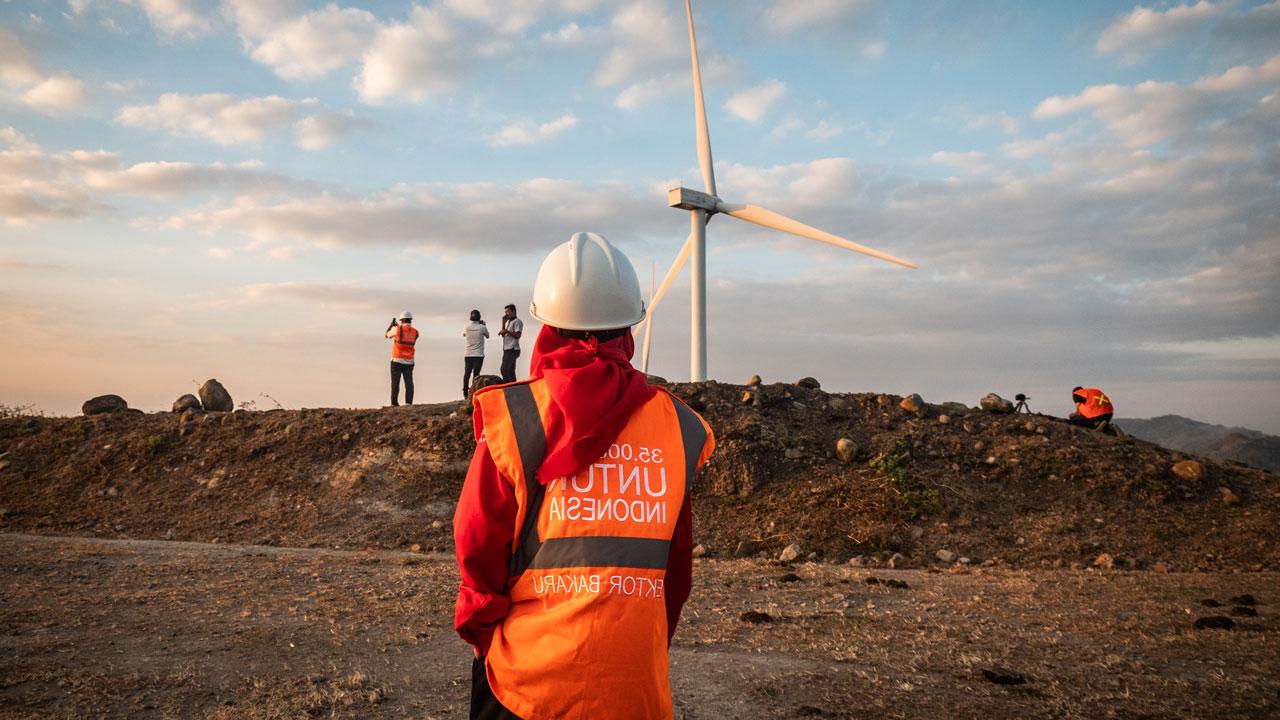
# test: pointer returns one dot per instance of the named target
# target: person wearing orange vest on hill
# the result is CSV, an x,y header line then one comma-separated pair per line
x,y
403,337
1093,408
573,531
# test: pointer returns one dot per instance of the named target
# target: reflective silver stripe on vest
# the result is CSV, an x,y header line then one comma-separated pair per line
x,y
531,442
607,551
693,436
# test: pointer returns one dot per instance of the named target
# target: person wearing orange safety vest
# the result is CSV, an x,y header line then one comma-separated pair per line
x,y
403,338
1093,408
573,531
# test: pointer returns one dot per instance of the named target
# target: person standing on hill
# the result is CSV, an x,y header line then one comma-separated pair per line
x,y
512,329
1093,408
403,338
573,532
476,333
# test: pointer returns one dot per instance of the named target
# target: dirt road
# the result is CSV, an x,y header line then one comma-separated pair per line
x,y
149,629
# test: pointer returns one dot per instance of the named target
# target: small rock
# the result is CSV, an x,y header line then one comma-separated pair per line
x,y
1160,567
809,711
964,561
755,617
916,532
1188,470
185,403
793,453
1214,622
944,419
112,492
1104,561
1244,611
699,550
1029,427
1020,541
858,560
837,404
753,381
991,460
945,556
416,547
790,553
993,403
746,548
103,404
168,534
1227,497
656,380
789,578
747,397
481,382
1210,602
897,561
4,464
214,397
846,450
437,524
896,584
808,382
913,404
1245,599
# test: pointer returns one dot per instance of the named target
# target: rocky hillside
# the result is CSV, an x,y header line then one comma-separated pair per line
x,y
840,476
1216,441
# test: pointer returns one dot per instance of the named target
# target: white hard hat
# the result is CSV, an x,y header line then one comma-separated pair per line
x,y
587,284
406,315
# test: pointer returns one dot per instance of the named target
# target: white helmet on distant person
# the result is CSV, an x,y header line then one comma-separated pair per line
x,y
406,316
587,284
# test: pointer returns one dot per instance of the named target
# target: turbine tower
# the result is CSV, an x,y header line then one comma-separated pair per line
x,y
702,206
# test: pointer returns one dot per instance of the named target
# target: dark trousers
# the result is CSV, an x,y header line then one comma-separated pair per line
x,y
1101,422
484,706
509,365
470,369
400,370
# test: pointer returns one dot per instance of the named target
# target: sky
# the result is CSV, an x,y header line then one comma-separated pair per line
x,y
250,190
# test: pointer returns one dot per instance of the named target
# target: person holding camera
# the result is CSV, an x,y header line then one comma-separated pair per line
x,y
475,333
512,329
403,337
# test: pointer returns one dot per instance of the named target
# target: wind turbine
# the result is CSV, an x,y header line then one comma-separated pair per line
x,y
702,206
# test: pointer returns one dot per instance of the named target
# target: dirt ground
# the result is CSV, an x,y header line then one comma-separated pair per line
x,y
151,629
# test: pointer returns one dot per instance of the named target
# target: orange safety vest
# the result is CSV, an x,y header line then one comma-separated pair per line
x,y
402,345
1096,403
586,633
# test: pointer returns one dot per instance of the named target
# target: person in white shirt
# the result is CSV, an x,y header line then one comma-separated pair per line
x,y
512,328
475,333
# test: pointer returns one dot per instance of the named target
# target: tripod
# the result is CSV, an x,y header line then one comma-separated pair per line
x,y
1022,404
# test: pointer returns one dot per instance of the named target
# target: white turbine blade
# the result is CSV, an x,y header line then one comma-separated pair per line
x,y
700,109
681,259
648,326
771,219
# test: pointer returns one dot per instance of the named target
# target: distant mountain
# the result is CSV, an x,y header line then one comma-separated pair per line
x,y
1216,441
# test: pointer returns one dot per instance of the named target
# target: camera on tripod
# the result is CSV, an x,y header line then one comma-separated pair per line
x,y
1022,404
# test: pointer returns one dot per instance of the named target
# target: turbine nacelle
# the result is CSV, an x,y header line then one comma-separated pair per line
x,y
687,199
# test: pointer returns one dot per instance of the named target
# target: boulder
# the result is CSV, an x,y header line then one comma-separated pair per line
x,y
846,450
104,404
483,381
753,381
993,403
945,556
1188,470
652,379
790,553
185,403
808,382
913,404
214,397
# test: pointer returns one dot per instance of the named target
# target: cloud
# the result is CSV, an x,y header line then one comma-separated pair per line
x,y
753,103
308,46
319,131
58,93
172,179
17,66
37,186
228,120
172,17
526,132
413,60
1145,30
435,302
853,24
1152,112
19,73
